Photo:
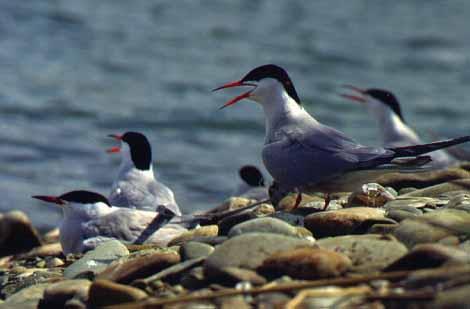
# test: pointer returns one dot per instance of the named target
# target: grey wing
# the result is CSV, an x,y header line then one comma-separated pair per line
x,y
163,196
128,225
124,224
144,196
339,147
305,156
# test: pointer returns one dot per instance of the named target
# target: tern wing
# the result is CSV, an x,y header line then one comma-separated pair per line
x,y
124,224
163,196
337,147
144,196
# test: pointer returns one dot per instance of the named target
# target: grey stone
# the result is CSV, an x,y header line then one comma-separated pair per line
x,y
248,251
414,202
193,250
452,298
460,201
368,253
400,215
433,226
406,190
437,190
263,225
27,298
97,260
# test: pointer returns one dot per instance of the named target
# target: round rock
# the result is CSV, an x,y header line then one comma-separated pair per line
x,y
17,233
344,221
57,294
106,293
307,263
139,267
194,249
249,251
368,253
263,225
97,260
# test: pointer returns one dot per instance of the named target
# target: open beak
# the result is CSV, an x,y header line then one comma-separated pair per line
x,y
49,199
359,97
237,98
114,149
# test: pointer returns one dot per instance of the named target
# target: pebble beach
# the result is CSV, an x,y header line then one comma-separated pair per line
x,y
402,242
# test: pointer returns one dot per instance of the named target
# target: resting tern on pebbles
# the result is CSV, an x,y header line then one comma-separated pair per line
x,y
385,108
90,219
302,154
135,185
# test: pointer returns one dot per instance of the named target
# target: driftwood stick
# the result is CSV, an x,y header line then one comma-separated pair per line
x,y
155,302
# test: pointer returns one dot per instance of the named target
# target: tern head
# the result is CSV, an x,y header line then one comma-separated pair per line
x,y
377,100
252,176
76,200
264,80
134,148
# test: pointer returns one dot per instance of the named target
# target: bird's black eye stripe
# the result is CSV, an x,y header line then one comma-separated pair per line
x,y
84,197
275,72
387,98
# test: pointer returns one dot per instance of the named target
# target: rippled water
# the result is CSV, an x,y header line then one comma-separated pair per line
x,y
74,71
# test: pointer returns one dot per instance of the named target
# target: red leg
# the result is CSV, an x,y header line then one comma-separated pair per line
x,y
327,201
298,200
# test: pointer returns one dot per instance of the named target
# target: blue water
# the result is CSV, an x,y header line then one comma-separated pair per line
x,y
74,71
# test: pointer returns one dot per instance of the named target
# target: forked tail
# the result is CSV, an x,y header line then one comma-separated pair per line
x,y
416,150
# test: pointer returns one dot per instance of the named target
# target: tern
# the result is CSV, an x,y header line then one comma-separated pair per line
x,y
90,219
385,108
253,185
135,185
301,153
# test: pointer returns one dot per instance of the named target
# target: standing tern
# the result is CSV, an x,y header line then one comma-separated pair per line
x,y
90,219
385,108
301,153
135,185
253,186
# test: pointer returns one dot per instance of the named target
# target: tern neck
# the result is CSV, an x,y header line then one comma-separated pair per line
x,y
280,109
128,170
393,129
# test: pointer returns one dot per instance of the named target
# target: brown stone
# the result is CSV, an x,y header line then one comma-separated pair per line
x,y
57,294
231,203
54,249
233,275
307,263
17,233
52,236
344,221
139,267
204,231
106,293
288,202
429,256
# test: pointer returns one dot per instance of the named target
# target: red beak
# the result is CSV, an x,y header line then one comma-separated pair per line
x,y
49,199
114,149
238,83
358,98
